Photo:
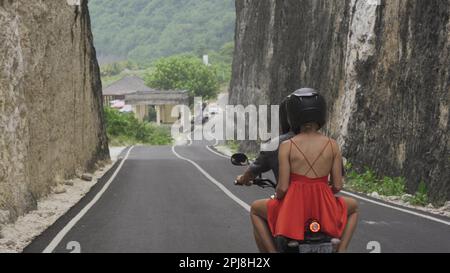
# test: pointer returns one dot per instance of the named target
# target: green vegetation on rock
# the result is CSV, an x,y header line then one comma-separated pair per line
x,y
369,183
421,196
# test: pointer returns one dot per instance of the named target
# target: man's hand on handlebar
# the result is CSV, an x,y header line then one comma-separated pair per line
x,y
245,179
241,180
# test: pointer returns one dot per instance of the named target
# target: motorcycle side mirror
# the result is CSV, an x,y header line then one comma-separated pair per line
x,y
239,160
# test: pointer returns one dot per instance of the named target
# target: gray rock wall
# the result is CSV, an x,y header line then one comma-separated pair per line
x,y
51,121
383,66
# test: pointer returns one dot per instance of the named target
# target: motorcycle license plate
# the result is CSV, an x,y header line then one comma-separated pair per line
x,y
316,248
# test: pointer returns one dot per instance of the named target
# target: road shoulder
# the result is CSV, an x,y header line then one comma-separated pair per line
x,y
29,232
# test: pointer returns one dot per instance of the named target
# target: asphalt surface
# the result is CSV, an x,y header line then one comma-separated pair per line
x,y
161,202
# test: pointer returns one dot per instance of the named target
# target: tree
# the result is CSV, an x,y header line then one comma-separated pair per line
x,y
184,73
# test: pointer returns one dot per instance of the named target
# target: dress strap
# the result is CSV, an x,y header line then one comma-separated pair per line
x,y
311,166
318,157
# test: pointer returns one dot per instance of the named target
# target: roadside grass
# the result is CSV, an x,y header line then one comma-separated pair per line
x,y
421,196
234,147
124,129
368,183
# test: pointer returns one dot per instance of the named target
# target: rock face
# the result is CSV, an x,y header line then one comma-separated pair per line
x,y
382,65
51,120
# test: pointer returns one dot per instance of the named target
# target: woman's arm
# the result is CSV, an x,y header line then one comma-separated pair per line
x,y
337,183
284,169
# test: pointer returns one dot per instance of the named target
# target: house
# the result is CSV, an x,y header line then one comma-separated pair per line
x,y
127,85
132,92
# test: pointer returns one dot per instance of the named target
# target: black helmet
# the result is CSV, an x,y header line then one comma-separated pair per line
x,y
285,127
304,106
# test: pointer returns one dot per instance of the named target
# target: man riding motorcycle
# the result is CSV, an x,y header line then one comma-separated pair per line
x,y
268,160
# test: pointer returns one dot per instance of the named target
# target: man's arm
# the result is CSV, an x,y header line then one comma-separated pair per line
x,y
246,178
259,166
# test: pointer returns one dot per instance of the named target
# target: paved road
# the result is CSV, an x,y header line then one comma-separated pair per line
x,y
182,199
161,203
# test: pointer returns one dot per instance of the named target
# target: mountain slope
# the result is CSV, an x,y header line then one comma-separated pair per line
x,y
143,30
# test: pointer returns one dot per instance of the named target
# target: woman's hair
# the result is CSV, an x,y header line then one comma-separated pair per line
x,y
310,125
283,116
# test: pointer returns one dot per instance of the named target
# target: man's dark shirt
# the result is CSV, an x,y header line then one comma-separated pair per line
x,y
268,160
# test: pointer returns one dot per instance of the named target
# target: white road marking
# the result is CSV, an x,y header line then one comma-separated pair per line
x,y
60,236
214,181
431,218
370,222
399,209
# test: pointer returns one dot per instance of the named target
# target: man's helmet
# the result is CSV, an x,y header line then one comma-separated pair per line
x,y
285,127
304,106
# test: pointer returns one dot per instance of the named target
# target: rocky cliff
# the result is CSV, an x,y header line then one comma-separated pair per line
x,y
51,123
383,66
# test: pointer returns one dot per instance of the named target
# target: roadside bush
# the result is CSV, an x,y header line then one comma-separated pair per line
x,y
421,196
365,183
125,129
389,186
368,182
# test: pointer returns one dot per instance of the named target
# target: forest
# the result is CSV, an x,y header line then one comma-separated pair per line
x,y
146,30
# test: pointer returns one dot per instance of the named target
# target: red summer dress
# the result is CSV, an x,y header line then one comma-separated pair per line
x,y
307,199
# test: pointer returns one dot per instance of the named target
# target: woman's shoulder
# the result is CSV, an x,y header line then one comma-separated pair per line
x,y
286,143
334,143
332,140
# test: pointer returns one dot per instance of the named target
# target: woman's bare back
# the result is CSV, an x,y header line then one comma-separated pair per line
x,y
313,155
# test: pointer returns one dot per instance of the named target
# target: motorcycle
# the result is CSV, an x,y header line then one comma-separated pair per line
x,y
315,240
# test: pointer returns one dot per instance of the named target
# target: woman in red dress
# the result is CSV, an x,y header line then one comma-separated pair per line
x,y
306,162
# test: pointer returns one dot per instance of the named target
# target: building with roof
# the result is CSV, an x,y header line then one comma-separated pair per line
x,y
133,92
119,89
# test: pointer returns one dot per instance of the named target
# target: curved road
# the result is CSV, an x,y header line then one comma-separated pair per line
x,y
159,202
182,199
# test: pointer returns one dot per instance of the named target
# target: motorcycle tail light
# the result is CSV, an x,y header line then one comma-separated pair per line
x,y
314,227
